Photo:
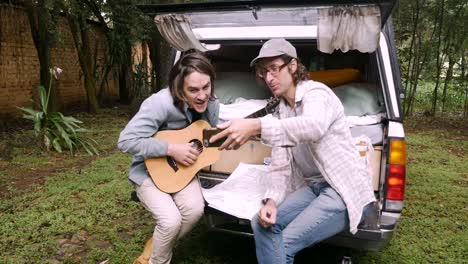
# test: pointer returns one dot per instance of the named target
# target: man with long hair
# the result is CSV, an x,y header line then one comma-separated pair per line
x,y
189,97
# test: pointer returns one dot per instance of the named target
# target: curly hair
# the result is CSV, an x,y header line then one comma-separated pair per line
x,y
301,73
191,61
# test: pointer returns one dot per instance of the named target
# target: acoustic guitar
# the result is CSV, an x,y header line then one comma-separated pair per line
x,y
170,176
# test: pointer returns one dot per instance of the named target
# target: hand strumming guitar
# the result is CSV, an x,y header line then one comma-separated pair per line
x,y
185,154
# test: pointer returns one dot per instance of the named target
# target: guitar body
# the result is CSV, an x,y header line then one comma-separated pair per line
x,y
170,176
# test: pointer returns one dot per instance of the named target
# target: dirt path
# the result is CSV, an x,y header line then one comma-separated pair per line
x,y
21,177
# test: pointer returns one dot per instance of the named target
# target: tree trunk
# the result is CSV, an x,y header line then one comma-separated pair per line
x,y
448,78
153,59
419,65
108,64
40,23
415,72
439,60
410,59
147,68
464,79
80,30
421,53
124,84
465,111
90,86
412,85
103,82
125,68
163,62
414,79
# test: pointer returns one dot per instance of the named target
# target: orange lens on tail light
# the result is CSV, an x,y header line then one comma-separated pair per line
x,y
397,152
396,170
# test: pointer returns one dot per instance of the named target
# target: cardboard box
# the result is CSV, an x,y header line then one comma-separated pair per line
x,y
370,159
375,160
252,152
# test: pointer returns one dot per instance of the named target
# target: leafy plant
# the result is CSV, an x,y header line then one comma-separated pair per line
x,y
55,129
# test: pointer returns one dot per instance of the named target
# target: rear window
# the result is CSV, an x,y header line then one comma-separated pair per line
x,y
293,16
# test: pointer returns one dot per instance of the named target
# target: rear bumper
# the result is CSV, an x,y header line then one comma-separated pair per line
x,y
371,240
364,239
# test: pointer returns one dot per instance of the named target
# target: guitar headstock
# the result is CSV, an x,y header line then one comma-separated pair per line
x,y
272,103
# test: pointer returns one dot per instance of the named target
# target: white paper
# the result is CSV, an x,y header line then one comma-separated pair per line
x,y
240,108
241,194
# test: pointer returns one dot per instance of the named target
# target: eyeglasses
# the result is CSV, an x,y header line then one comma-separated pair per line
x,y
273,70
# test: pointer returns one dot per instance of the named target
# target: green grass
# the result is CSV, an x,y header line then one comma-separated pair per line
x,y
433,227
83,214
90,205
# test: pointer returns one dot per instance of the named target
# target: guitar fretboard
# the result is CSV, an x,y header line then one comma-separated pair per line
x,y
259,113
266,110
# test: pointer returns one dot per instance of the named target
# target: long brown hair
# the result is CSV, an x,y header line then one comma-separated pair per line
x,y
190,62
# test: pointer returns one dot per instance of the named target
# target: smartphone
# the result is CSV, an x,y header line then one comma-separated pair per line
x,y
208,133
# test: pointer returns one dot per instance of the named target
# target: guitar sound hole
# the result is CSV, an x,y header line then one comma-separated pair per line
x,y
172,163
197,144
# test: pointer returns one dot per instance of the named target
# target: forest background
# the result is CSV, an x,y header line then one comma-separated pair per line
x,y
431,38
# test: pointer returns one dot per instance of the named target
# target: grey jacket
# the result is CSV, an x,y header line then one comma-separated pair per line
x,y
156,113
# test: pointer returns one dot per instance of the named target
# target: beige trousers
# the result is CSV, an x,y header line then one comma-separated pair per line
x,y
175,215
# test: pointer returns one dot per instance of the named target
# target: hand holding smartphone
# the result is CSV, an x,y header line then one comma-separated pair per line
x,y
208,133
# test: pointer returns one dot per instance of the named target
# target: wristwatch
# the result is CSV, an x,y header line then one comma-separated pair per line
x,y
264,201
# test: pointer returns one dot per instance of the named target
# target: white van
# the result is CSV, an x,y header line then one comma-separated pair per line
x,y
348,45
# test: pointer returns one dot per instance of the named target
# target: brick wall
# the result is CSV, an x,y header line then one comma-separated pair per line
x,y
19,64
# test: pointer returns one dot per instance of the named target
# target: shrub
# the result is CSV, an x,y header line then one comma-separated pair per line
x,y
55,129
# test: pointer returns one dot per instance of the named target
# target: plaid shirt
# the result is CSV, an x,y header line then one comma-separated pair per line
x,y
317,120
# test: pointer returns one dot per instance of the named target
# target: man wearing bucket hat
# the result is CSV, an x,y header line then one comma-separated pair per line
x,y
309,139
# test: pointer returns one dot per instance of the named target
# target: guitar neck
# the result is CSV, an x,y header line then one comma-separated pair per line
x,y
264,111
259,113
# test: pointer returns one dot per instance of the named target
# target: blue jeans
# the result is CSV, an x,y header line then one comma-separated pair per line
x,y
306,217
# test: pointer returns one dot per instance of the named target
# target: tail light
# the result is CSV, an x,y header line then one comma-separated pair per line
x,y
396,174
396,182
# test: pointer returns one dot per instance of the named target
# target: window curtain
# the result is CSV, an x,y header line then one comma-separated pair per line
x,y
177,31
349,28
